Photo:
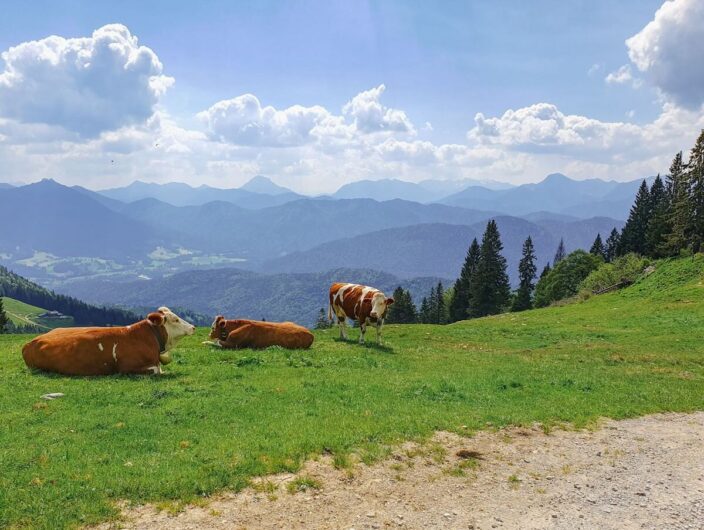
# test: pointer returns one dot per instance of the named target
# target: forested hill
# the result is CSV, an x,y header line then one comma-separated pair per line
x,y
15,286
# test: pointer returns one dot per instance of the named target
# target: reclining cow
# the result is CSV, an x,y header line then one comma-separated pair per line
x,y
139,348
257,334
361,303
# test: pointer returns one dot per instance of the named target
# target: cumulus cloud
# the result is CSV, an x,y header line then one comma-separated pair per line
x,y
620,76
84,85
370,116
543,128
669,51
243,120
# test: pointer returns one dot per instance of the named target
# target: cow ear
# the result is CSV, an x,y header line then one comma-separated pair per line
x,y
389,301
222,323
155,319
219,318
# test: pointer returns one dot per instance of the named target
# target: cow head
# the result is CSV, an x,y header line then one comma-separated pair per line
x,y
379,305
216,327
176,328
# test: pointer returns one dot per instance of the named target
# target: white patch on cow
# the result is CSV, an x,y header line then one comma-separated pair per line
x,y
153,369
358,307
114,352
100,346
176,327
129,327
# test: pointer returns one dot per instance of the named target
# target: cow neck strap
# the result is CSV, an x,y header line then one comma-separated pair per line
x,y
223,333
161,341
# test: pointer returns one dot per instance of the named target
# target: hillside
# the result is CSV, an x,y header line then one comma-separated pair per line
x,y
619,355
36,297
440,249
22,315
245,294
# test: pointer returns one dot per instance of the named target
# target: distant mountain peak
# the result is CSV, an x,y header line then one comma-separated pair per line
x,y
262,184
556,177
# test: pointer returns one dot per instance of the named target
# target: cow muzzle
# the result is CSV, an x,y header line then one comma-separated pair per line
x,y
373,314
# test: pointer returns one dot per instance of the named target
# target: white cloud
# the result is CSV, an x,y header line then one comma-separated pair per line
x,y
593,69
371,116
670,51
243,120
84,85
620,76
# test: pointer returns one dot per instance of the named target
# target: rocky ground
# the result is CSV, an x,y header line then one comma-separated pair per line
x,y
640,473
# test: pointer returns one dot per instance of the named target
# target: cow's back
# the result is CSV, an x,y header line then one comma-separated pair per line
x,y
256,334
352,299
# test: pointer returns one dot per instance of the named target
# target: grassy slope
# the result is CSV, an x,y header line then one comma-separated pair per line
x,y
23,314
217,418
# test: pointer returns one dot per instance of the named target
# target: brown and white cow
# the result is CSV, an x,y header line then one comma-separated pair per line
x,y
366,305
242,333
140,348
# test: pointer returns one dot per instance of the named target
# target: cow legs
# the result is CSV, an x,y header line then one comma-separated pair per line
x,y
362,331
378,331
343,330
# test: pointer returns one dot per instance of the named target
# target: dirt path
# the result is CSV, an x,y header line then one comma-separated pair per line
x,y
641,473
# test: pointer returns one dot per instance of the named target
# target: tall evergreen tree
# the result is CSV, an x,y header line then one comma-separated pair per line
x,y
633,233
560,253
658,224
322,322
4,320
612,242
598,248
546,270
490,289
695,170
679,213
440,311
424,315
459,304
403,311
526,274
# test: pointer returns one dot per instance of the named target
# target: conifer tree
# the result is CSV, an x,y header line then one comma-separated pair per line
x,y
612,245
439,313
322,322
4,320
658,224
679,213
598,248
403,311
424,315
560,253
459,304
546,271
490,289
633,233
526,275
695,170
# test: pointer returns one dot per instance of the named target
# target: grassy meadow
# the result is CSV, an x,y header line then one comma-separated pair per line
x,y
22,314
217,418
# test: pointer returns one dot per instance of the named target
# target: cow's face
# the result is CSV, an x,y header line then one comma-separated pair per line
x,y
217,325
176,327
379,305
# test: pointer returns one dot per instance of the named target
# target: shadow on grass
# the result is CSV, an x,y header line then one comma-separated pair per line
x,y
368,345
138,377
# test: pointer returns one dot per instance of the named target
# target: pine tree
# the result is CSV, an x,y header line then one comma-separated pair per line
x,y
424,315
459,303
612,245
439,314
403,311
4,320
560,253
490,289
658,224
322,322
526,274
633,233
598,248
546,271
679,213
695,173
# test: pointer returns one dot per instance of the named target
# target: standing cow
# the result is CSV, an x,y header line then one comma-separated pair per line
x,y
361,303
140,348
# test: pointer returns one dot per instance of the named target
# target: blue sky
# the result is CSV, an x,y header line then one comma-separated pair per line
x,y
440,65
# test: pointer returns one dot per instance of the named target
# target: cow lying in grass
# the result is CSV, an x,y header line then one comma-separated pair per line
x,y
255,334
139,348
364,304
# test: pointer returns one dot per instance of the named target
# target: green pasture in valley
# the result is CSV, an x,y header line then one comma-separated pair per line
x,y
217,418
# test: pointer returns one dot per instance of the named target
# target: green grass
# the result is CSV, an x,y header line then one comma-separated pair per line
x,y
22,314
218,418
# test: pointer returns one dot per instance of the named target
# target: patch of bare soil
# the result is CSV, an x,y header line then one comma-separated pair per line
x,y
640,473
